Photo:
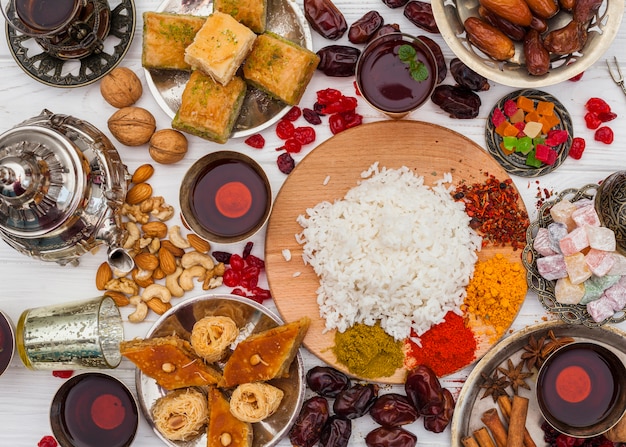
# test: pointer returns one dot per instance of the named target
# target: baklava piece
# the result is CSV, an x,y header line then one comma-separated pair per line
x,y
224,428
252,13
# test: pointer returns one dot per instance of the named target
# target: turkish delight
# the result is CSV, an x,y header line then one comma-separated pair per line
x,y
595,287
561,212
577,269
619,266
600,310
557,231
574,242
542,244
552,267
601,238
599,261
586,215
565,292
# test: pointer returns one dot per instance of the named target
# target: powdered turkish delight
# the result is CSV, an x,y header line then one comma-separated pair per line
x,y
561,212
586,215
577,269
565,292
601,238
574,242
552,267
542,244
557,231
599,261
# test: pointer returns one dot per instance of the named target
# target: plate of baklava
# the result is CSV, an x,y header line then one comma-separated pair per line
x,y
218,370
222,69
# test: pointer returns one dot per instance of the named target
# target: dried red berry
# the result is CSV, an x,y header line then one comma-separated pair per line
x,y
328,96
292,145
63,374
337,123
311,116
284,129
352,119
256,141
47,441
239,292
604,135
578,77
247,250
293,114
592,121
255,261
231,278
285,163
304,134
261,294
606,116
237,262
343,104
577,148
597,105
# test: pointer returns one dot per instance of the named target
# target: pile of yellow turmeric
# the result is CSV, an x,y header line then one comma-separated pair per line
x,y
495,294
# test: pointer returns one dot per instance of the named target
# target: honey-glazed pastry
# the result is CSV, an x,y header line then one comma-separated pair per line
x,y
181,415
265,355
225,429
253,402
252,13
211,337
170,361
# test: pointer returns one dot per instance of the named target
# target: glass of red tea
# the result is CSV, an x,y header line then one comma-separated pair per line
x,y
225,197
396,74
581,389
7,342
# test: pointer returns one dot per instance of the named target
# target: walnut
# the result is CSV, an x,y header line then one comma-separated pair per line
x,y
121,87
132,126
168,146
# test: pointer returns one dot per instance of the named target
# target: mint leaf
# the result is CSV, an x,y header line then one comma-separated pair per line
x,y
406,53
417,69
419,72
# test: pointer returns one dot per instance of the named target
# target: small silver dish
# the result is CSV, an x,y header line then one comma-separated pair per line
x,y
581,389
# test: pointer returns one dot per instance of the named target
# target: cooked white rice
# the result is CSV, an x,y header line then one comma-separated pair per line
x,y
392,250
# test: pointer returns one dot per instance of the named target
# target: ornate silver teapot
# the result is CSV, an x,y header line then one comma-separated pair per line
x,y
62,185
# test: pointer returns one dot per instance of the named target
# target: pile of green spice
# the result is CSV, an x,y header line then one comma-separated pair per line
x,y
496,211
368,351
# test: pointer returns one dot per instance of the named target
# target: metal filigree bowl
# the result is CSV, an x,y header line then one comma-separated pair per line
x,y
610,204
450,15
570,313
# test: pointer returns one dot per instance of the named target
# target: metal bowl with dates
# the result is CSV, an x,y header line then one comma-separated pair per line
x,y
451,14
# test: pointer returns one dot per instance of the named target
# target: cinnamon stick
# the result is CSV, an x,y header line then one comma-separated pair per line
x,y
504,402
517,422
483,437
493,422
469,441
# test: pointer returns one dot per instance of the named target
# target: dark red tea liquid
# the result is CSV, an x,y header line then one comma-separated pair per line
x,y
6,343
45,15
96,411
229,198
579,388
386,81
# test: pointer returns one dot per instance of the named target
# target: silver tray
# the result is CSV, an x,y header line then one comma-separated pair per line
x,y
470,406
259,110
250,317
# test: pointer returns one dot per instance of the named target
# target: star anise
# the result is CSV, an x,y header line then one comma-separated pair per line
x,y
515,376
494,386
554,343
532,356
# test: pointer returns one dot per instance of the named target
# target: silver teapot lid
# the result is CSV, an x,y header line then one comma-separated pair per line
x,y
42,178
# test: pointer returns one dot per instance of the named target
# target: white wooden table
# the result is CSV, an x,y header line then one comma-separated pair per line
x,y
25,395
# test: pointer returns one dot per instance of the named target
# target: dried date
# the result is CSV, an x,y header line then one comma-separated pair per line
x,y
536,56
543,8
386,29
466,77
512,30
421,15
325,18
584,10
459,102
490,40
390,437
440,61
327,381
393,410
307,429
422,386
393,4
437,423
363,29
338,60
355,401
572,37
336,432
539,24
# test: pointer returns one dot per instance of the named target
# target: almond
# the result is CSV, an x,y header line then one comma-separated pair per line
x,y
158,273
142,173
146,261
120,299
158,306
154,229
167,261
141,279
138,193
198,243
177,252
103,275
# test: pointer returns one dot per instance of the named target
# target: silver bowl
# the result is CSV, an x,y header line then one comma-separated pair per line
x,y
610,203
451,14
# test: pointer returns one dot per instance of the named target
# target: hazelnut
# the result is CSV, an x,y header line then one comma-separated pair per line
x,y
168,146
121,87
132,126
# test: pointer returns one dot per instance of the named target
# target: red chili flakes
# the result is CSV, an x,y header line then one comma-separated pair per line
x,y
47,441
256,141
495,212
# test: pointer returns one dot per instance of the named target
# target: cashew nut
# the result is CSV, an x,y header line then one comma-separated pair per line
x,y
154,245
156,291
176,238
140,313
186,278
135,299
133,234
171,282
124,285
196,258
144,242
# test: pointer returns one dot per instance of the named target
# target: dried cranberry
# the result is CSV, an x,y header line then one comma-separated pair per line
x,y
578,77
328,96
604,134
284,129
231,278
352,119
250,283
256,141
606,116
236,262
337,123
592,121
262,294
285,163
247,249
293,114
292,146
63,374
239,292
311,116
255,261
343,104
222,256
304,134
250,271
47,441
597,105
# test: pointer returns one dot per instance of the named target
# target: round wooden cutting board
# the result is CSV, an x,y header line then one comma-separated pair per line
x,y
427,149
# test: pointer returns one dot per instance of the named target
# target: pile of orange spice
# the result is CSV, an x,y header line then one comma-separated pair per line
x,y
495,210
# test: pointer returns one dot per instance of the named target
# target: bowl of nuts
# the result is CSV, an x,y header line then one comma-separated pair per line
x,y
528,43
